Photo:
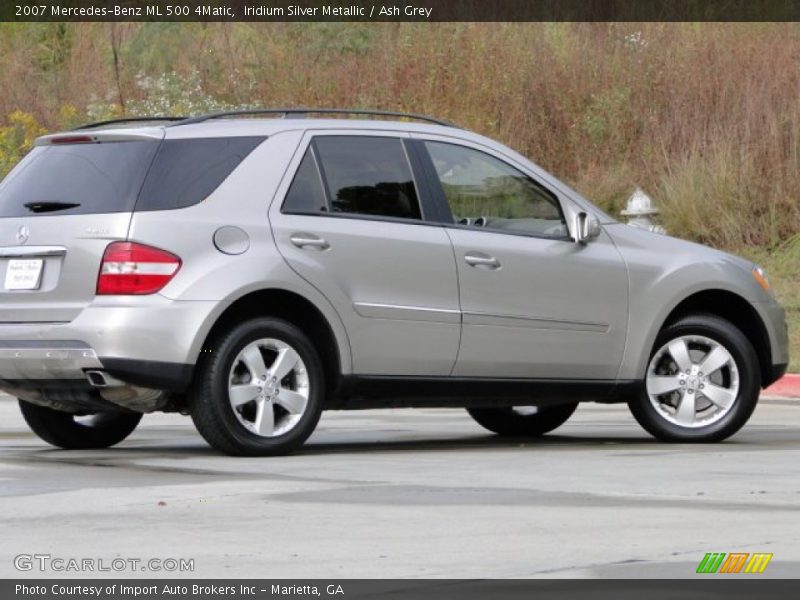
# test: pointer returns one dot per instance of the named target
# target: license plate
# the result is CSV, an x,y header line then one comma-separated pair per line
x,y
24,274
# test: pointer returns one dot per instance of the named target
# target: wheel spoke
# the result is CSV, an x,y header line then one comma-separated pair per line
x,y
686,409
286,361
662,384
718,395
242,394
264,422
680,354
292,401
255,361
715,360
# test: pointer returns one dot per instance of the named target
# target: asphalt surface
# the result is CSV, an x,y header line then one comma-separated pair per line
x,y
410,493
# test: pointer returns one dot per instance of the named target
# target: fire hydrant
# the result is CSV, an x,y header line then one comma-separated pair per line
x,y
639,210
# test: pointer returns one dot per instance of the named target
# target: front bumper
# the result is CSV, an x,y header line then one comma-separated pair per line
x,y
774,318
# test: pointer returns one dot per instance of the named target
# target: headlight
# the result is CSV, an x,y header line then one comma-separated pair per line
x,y
760,275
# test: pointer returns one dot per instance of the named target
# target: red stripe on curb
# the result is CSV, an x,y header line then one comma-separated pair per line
x,y
787,386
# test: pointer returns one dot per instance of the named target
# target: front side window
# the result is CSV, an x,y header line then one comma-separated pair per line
x,y
483,191
360,175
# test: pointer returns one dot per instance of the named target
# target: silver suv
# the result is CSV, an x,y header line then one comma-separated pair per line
x,y
252,272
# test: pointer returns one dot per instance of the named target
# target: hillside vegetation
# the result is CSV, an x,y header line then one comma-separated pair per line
x,y
705,117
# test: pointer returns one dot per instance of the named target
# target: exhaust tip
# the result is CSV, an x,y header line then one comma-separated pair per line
x,y
102,379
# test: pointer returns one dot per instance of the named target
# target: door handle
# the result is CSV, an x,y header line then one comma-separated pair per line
x,y
309,240
481,261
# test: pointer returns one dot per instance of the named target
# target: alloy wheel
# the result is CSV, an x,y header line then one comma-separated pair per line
x,y
268,387
692,381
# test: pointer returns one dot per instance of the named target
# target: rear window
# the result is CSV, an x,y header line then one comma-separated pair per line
x,y
97,178
120,176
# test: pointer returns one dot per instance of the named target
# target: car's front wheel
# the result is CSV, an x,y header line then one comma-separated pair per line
x,y
260,389
702,381
523,421
78,432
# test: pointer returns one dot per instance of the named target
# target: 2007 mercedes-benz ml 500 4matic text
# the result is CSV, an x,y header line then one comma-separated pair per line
x,y
252,271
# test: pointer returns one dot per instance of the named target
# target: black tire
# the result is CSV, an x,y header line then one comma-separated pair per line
x,y
67,431
210,405
746,361
507,421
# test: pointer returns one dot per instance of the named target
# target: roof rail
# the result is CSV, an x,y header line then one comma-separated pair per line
x,y
299,113
126,120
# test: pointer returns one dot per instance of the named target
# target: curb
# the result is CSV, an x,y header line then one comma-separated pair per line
x,y
787,386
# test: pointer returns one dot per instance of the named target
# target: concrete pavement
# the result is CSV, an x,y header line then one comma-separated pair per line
x,y
410,493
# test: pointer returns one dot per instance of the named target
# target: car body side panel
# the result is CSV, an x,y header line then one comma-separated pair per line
x,y
664,271
209,275
393,282
553,309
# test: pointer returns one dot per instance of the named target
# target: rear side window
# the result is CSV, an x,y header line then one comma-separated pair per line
x,y
360,175
95,178
186,172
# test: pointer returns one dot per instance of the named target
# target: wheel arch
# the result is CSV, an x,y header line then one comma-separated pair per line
x,y
296,309
735,309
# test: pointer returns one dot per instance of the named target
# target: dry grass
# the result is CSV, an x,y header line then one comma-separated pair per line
x,y
705,117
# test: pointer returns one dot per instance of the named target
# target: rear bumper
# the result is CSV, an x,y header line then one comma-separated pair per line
x,y
50,360
51,365
149,342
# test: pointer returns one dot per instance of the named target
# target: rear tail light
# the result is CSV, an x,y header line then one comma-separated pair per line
x,y
131,268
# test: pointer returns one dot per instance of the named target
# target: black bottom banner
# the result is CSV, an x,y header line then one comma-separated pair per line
x,y
439,589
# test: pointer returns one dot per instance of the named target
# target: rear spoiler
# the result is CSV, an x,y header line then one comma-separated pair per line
x,y
100,137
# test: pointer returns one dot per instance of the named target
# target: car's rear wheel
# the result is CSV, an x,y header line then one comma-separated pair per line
x,y
702,382
523,421
260,390
79,432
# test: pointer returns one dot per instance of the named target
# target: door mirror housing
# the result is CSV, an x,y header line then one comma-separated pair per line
x,y
585,228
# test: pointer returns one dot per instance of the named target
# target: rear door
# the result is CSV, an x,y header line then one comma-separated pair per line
x,y
353,221
59,209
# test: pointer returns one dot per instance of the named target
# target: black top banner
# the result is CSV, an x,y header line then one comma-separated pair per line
x,y
404,10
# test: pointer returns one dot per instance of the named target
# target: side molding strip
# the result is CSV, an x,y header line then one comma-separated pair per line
x,y
397,312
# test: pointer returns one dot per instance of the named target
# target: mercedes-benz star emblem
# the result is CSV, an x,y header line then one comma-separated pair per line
x,y
23,233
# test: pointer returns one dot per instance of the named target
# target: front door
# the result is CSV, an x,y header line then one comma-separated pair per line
x,y
535,304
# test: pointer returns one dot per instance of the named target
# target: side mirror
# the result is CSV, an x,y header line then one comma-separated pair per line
x,y
586,228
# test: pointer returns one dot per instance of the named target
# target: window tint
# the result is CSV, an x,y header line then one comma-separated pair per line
x,y
483,191
368,176
185,172
306,194
98,178
108,177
